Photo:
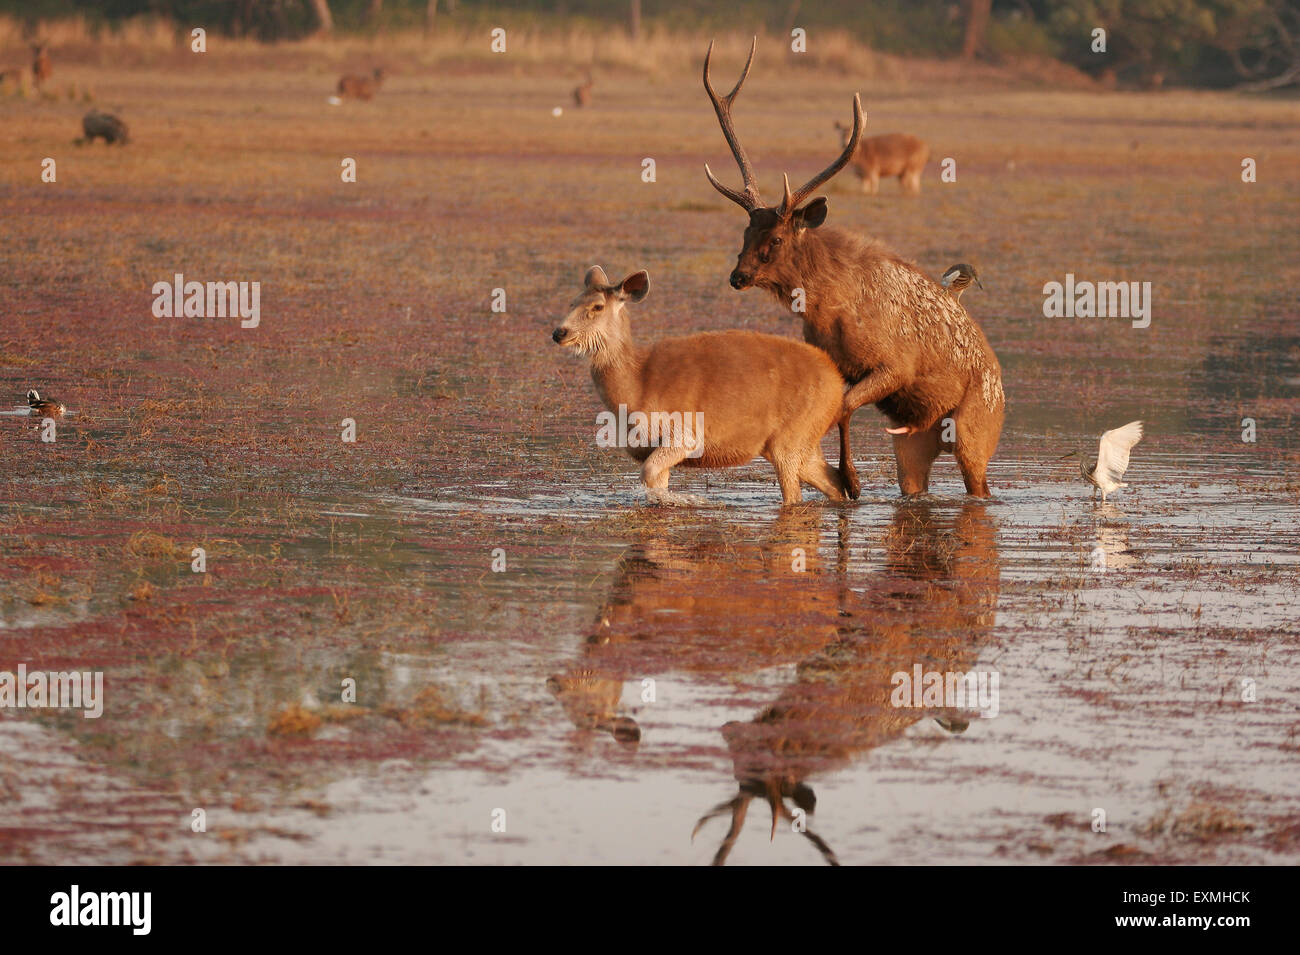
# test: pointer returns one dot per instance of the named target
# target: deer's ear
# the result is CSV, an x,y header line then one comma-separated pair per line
x,y
811,215
636,286
595,276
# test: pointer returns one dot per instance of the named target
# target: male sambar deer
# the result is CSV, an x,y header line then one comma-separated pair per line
x,y
363,88
902,342
886,156
714,400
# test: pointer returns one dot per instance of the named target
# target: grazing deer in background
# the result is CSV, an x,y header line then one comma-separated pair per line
x,y
582,92
363,88
41,68
95,124
897,337
715,400
893,154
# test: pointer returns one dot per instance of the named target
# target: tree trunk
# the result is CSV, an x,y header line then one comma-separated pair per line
x,y
373,9
430,16
324,22
790,18
977,24
635,21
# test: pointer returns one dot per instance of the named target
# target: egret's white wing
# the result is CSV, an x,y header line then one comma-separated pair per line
x,y
1112,454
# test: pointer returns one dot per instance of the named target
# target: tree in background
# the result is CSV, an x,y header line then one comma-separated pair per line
x,y
324,21
977,26
1261,39
1153,38
1254,44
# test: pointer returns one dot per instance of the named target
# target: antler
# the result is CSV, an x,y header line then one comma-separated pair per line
x,y
739,807
747,199
793,200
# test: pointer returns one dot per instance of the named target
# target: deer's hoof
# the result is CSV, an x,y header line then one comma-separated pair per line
x,y
852,486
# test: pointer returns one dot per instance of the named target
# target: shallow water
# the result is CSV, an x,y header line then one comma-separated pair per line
x,y
1118,688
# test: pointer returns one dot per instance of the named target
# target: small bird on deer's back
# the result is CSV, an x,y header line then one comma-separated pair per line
x,y
959,277
1104,471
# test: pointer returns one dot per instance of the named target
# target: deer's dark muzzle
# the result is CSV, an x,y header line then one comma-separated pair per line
x,y
557,336
741,280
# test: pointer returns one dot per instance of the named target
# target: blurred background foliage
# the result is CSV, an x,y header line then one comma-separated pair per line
x,y
1215,43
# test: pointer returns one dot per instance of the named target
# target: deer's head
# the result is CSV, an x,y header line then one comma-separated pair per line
x,y
597,318
773,231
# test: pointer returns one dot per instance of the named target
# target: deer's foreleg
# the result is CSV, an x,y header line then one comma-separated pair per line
x,y
876,386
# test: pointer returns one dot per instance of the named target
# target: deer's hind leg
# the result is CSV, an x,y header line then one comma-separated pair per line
x,y
848,471
978,429
914,454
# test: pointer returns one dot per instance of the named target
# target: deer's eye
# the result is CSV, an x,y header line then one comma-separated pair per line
x,y
598,306
776,241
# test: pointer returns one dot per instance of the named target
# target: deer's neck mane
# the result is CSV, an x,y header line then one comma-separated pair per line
x,y
827,264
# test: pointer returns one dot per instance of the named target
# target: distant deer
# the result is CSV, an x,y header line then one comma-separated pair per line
x,y
363,88
893,154
582,92
715,400
96,124
902,342
41,68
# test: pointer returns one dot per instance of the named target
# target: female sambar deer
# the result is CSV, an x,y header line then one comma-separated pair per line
x,y
903,343
893,154
713,400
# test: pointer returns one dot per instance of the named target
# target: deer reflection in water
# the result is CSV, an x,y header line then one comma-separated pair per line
x,y
703,599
